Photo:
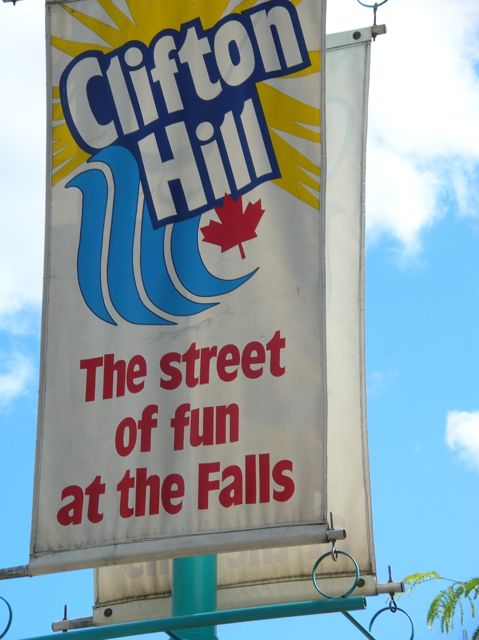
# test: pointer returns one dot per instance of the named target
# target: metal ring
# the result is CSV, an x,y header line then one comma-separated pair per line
x,y
373,619
356,571
372,6
10,618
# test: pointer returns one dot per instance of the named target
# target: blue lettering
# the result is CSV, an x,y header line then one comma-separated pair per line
x,y
186,106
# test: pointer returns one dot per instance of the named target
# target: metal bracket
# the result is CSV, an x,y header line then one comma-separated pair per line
x,y
229,616
375,30
15,572
335,534
358,625
378,30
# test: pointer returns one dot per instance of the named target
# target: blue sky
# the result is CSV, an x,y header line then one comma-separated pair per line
x,y
422,307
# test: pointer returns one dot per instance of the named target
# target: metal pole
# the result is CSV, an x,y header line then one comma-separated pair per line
x,y
229,616
194,591
358,626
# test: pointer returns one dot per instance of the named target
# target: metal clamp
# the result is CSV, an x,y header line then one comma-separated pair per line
x,y
392,603
375,29
392,606
333,535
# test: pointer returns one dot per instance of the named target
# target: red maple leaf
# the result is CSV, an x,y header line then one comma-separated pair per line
x,y
235,226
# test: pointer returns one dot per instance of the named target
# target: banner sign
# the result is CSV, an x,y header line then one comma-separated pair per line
x,y
183,383
266,576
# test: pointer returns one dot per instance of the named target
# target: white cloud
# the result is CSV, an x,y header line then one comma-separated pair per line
x,y
16,374
462,435
424,101
401,197
423,128
380,381
465,173
22,155
21,321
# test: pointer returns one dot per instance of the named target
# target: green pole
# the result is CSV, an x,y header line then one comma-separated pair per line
x,y
194,591
193,621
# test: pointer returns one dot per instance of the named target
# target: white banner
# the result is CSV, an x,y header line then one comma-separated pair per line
x,y
265,576
183,384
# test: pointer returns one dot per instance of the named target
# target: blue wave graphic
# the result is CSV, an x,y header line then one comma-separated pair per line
x,y
154,272
94,190
121,279
122,286
189,264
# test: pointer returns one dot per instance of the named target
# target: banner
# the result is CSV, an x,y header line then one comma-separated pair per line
x,y
183,377
265,576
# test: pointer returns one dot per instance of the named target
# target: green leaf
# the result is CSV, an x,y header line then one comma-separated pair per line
x,y
449,602
414,579
417,578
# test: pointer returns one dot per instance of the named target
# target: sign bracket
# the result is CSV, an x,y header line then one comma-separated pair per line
x,y
207,619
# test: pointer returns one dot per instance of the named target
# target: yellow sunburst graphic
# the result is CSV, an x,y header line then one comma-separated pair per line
x,y
143,21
